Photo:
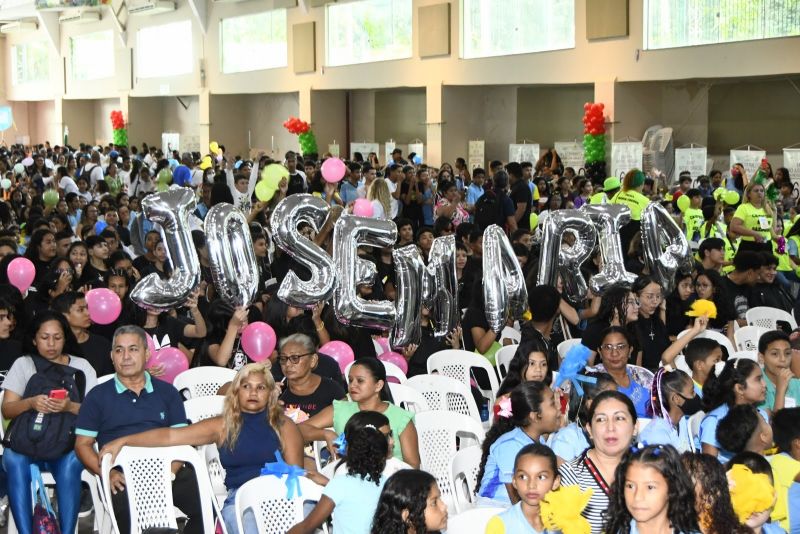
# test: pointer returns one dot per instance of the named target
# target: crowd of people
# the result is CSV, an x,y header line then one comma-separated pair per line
x,y
76,214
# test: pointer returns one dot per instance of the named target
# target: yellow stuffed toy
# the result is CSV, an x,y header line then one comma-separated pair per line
x,y
702,307
750,493
561,510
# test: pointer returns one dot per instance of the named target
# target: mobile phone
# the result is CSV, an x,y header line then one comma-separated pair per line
x,y
59,394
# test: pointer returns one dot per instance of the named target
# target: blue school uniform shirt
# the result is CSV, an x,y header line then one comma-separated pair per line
x,y
637,393
513,521
499,469
708,430
661,432
772,528
356,500
635,529
569,442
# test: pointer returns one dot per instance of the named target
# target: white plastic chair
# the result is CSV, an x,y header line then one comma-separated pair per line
x,y
472,521
680,363
694,428
148,479
216,473
445,394
105,378
464,467
409,398
510,333
747,354
767,317
274,513
202,381
457,364
440,434
565,345
716,336
392,371
502,358
200,408
747,337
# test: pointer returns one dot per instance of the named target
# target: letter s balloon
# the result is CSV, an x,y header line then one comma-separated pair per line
x,y
290,212
170,209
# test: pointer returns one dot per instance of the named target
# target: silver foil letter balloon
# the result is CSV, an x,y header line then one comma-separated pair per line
x,y
290,212
562,258
349,233
504,291
664,245
434,285
608,219
170,209
230,252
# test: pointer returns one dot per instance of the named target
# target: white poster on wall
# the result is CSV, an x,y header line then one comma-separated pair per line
x,y
334,150
523,152
692,160
477,154
791,160
750,159
388,147
170,141
364,149
625,156
571,154
418,149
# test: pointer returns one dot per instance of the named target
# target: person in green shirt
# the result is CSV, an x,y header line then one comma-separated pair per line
x,y
753,220
693,216
610,188
631,195
783,389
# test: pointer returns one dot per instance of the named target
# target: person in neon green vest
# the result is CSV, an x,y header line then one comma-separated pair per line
x,y
753,220
631,195
693,216
610,188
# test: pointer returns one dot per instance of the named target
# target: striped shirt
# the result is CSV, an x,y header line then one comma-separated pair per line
x,y
578,473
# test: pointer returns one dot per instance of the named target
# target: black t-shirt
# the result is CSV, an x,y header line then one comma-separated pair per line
x,y
327,367
428,344
412,210
521,194
93,277
474,317
739,295
97,350
651,335
10,350
325,394
771,295
167,326
296,184
142,263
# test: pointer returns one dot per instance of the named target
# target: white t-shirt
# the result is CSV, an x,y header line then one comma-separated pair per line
x,y
95,173
377,210
394,204
68,185
23,369
197,177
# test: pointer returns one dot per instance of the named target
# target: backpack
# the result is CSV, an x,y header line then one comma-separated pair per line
x,y
47,436
487,210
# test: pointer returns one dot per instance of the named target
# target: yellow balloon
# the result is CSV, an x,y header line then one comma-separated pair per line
x,y
213,147
534,220
263,192
684,202
205,163
273,174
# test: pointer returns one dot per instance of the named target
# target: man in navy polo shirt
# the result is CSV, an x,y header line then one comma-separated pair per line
x,y
134,402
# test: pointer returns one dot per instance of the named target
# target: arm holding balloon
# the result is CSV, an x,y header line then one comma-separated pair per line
x,y
251,184
483,338
221,354
319,324
677,346
568,312
198,329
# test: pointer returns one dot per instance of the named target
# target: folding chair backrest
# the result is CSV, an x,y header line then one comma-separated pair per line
x,y
458,363
565,345
392,371
445,393
767,317
266,497
464,468
408,398
747,337
202,381
502,358
200,408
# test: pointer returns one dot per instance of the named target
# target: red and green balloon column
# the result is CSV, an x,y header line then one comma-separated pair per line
x,y
594,141
300,128
120,136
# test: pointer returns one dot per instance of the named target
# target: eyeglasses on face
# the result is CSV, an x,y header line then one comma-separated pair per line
x,y
610,347
294,358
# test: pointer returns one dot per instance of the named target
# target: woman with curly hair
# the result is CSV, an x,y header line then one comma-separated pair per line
x,y
618,307
712,498
250,432
353,495
410,503
653,493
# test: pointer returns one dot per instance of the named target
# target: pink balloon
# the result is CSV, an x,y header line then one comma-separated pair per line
x,y
173,360
21,273
384,344
395,358
363,208
104,305
333,170
258,341
339,351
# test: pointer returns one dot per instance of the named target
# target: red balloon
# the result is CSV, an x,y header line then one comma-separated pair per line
x,y
587,106
601,105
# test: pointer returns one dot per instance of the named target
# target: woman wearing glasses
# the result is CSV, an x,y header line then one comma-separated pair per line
x,y
305,393
651,332
618,307
633,381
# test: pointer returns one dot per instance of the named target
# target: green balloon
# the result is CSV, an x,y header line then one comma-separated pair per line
x,y
5,183
731,198
51,198
164,176
273,174
683,203
263,191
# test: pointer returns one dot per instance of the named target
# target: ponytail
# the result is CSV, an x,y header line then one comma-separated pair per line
x,y
719,389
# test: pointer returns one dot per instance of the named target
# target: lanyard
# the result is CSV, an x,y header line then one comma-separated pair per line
x,y
596,474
